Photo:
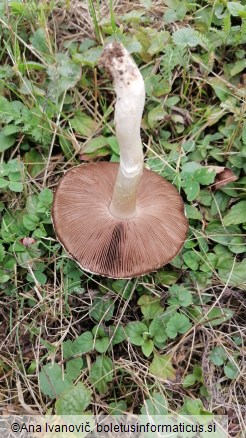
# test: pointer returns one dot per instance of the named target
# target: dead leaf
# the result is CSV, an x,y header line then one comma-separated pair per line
x,y
224,177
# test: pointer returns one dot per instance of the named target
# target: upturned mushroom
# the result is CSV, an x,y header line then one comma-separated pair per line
x,y
120,220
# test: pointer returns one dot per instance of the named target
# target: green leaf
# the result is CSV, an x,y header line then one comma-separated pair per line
x,y
218,316
134,331
223,235
83,344
166,277
187,37
6,141
101,373
231,370
52,381
157,329
235,8
155,115
218,356
117,333
156,405
178,323
158,42
147,347
192,407
204,176
161,366
192,212
150,306
16,187
236,215
189,380
117,408
90,57
102,344
3,183
83,124
38,40
235,275
192,260
191,188
3,277
74,401
30,221
179,296
102,309
74,367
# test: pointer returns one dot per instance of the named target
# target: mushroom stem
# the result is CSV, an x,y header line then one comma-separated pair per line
x,y
130,93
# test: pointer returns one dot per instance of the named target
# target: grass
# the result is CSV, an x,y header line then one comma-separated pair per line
x,y
56,110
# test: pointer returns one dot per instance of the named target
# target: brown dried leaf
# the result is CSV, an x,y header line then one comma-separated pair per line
x,y
224,177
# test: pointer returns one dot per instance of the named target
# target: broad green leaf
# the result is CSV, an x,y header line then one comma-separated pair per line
x,y
223,235
155,115
192,212
204,176
83,124
102,344
83,344
74,401
134,331
192,407
102,309
122,287
38,40
191,259
3,183
218,316
3,277
236,215
191,188
16,186
178,323
235,8
89,57
117,408
235,274
218,356
186,36
74,367
231,370
237,245
166,277
158,42
189,380
30,221
52,381
117,333
161,366
147,347
101,373
157,329
45,199
6,141
156,405
150,306
179,296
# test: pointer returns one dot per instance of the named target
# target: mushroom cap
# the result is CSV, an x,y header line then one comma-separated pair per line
x,y
102,244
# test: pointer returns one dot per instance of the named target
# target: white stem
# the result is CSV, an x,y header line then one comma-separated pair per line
x,y
130,92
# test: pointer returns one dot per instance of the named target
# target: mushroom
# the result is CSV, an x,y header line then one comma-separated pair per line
x,y
120,220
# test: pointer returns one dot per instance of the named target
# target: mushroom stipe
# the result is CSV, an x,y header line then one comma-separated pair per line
x,y
103,244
